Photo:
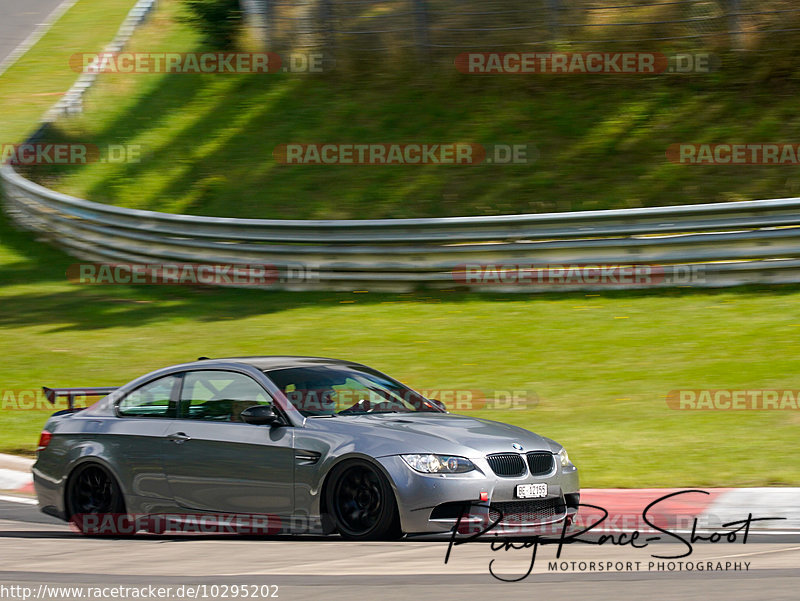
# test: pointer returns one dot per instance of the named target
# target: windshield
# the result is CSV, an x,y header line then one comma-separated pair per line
x,y
345,390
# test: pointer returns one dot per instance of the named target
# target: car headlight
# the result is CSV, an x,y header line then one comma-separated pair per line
x,y
562,455
438,464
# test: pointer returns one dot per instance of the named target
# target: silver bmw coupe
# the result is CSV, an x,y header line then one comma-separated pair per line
x,y
322,446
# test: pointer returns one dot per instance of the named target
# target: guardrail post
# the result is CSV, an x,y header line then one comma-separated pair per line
x,y
266,23
554,18
255,19
305,31
326,26
736,38
421,32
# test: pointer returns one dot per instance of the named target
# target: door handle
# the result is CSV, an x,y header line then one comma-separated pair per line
x,y
178,437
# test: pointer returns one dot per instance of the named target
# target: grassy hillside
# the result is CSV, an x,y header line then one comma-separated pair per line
x,y
208,140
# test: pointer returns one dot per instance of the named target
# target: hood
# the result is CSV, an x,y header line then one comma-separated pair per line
x,y
441,433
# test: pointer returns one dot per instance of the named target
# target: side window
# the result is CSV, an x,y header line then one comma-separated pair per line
x,y
217,395
150,400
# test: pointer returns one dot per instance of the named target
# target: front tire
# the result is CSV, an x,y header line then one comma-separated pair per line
x,y
361,502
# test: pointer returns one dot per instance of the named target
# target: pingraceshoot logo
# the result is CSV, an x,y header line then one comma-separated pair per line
x,y
510,540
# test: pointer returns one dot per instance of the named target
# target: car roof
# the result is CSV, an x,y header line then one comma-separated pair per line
x,y
269,362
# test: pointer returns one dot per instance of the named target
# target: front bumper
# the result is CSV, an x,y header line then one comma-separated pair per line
x,y
419,495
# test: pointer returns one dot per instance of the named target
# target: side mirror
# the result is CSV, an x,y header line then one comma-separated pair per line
x,y
260,415
437,403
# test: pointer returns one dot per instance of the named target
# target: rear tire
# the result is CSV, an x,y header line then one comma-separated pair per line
x,y
93,490
361,502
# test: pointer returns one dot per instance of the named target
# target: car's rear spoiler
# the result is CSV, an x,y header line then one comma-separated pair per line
x,y
53,393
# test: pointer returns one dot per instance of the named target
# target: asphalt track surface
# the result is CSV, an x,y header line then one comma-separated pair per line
x,y
37,550
19,18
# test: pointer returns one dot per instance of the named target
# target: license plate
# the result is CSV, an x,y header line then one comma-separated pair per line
x,y
531,491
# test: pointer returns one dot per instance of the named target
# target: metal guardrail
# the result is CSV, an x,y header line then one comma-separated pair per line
x,y
725,243
719,244
72,101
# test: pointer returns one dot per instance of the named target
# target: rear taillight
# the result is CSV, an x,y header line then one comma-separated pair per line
x,y
44,439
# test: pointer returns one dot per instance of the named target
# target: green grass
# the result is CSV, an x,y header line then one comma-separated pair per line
x,y
208,140
600,364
